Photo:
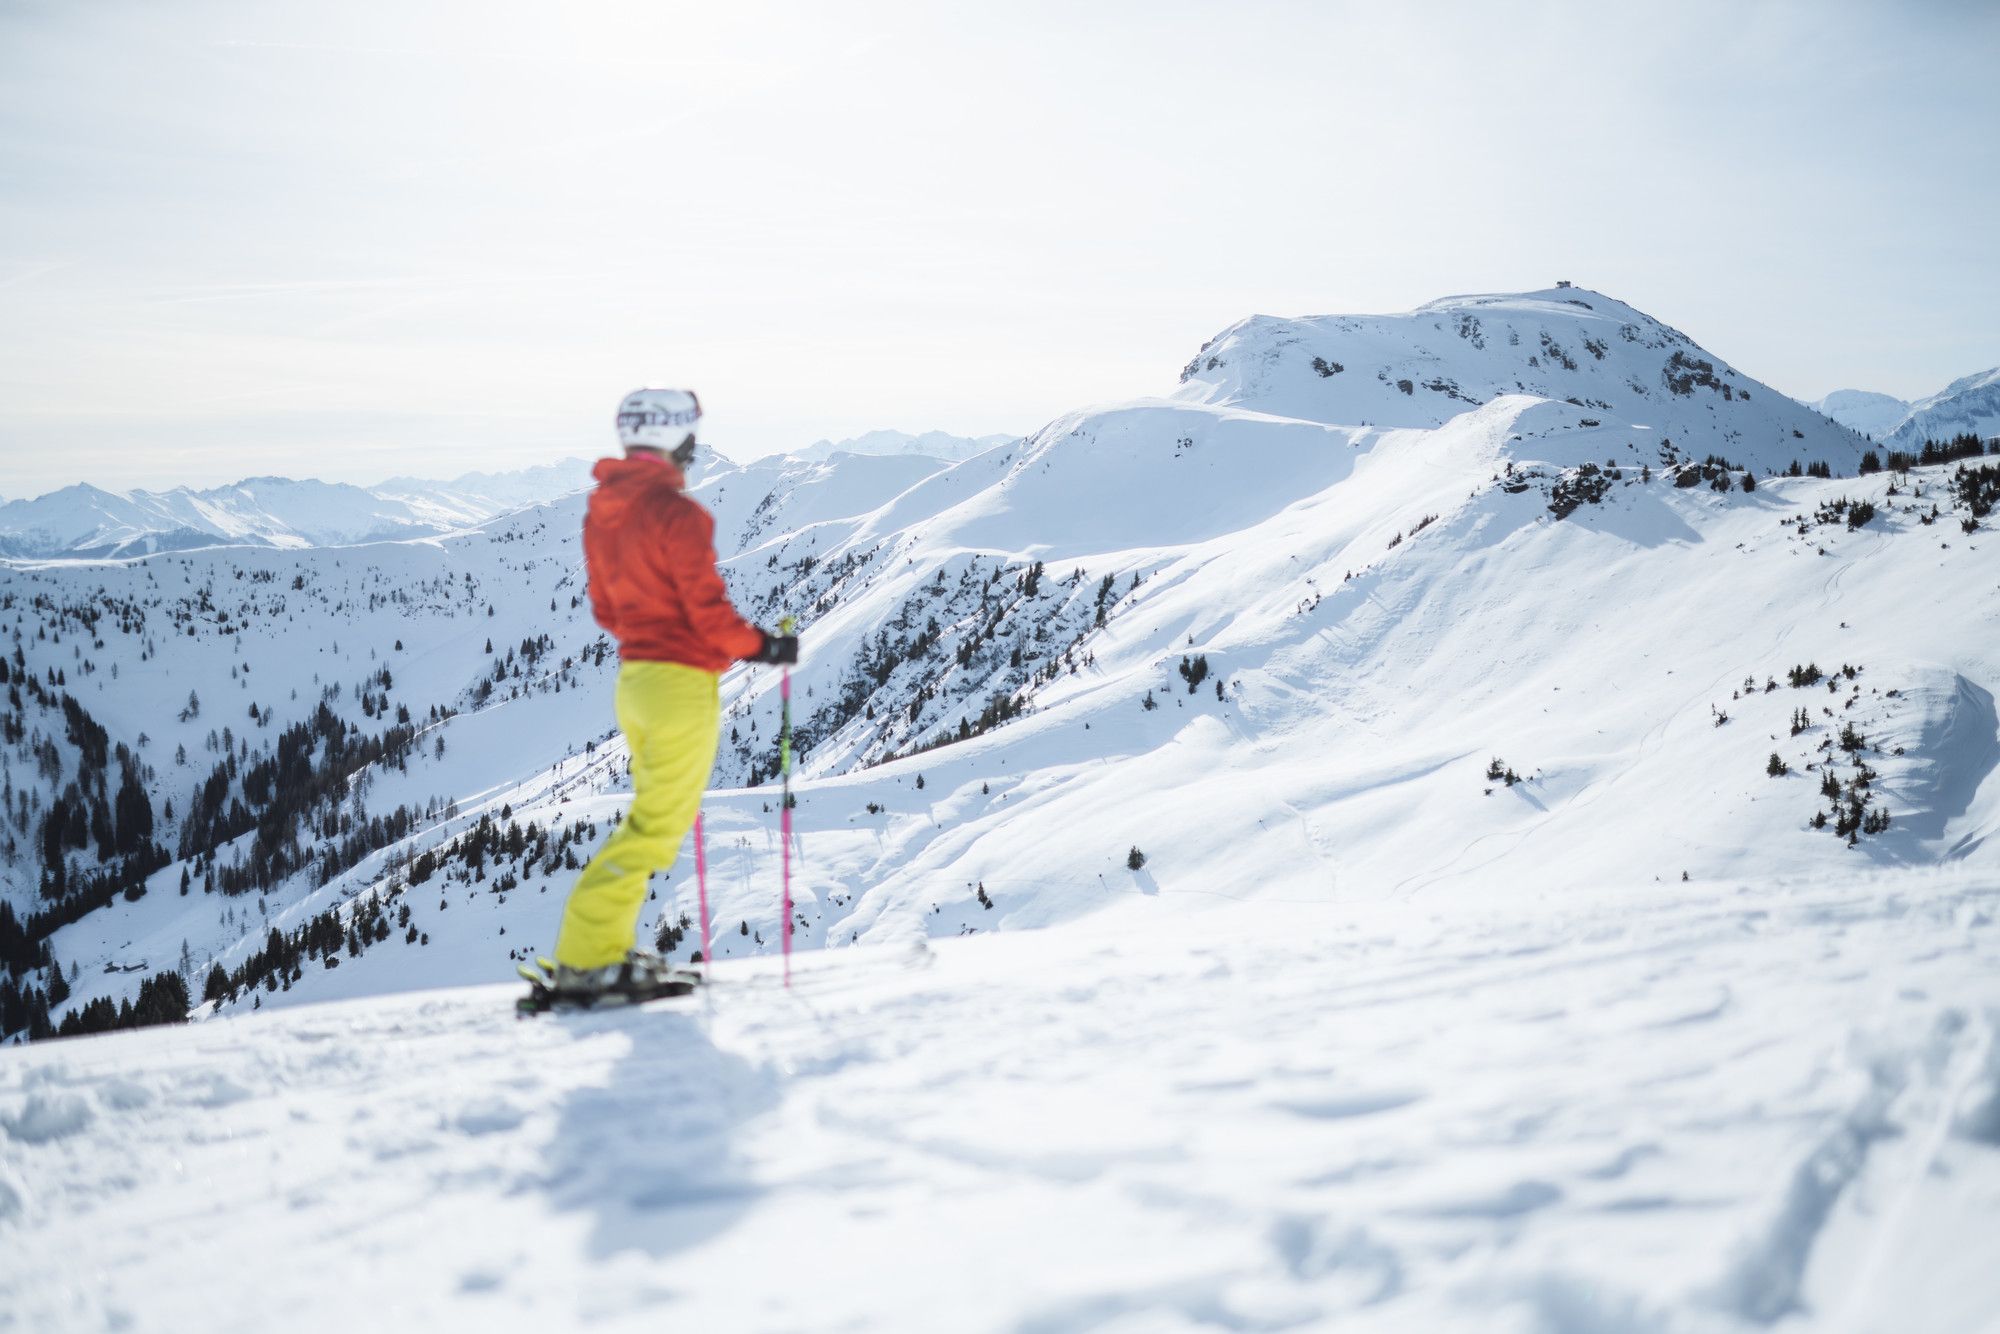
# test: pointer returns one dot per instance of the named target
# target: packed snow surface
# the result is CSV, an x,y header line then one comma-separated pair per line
x,y
1722,1106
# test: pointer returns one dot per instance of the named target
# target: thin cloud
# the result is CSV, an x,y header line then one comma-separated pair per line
x,y
456,55
34,271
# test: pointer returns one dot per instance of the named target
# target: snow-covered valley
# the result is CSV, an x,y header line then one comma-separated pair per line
x,y
1517,796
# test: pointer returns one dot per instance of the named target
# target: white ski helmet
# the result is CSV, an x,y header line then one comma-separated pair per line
x,y
659,418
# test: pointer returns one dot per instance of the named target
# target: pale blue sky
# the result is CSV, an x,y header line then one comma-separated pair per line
x,y
356,240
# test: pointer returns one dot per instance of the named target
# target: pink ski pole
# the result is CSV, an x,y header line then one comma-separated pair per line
x,y
701,887
785,818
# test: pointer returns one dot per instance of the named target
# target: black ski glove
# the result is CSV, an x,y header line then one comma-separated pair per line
x,y
778,650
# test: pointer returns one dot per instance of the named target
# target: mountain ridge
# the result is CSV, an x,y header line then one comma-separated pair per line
x,y
933,444
83,520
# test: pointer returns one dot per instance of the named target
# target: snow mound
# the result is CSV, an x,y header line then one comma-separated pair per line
x,y
1948,743
45,1117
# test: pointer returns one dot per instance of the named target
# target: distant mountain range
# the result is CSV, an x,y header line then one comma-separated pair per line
x,y
85,521
89,523
1968,406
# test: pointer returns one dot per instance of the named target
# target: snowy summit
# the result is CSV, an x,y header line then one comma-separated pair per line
x,y
1872,414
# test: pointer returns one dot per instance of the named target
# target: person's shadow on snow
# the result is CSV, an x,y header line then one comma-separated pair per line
x,y
652,1153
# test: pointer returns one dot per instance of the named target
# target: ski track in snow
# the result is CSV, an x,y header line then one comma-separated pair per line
x,y
1635,1109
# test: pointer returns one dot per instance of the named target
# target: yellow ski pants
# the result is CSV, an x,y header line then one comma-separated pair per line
x,y
672,718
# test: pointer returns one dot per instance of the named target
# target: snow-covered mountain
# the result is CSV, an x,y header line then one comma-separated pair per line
x,y
87,521
1501,498
1967,406
477,496
1371,628
929,444
1626,376
1872,414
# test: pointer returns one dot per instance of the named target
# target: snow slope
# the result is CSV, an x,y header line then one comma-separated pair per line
x,y
478,496
1629,1107
927,444
784,495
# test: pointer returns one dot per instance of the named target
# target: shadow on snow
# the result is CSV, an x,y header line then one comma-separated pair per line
x,y
652,1153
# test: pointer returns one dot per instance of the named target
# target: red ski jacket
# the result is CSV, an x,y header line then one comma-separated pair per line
x,y
649,555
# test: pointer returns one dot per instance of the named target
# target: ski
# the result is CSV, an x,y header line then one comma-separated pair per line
x,y
542,998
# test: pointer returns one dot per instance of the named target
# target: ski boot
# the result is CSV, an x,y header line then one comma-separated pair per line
x,y
640,977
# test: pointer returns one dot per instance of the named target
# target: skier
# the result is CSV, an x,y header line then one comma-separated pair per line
x,y
649,554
